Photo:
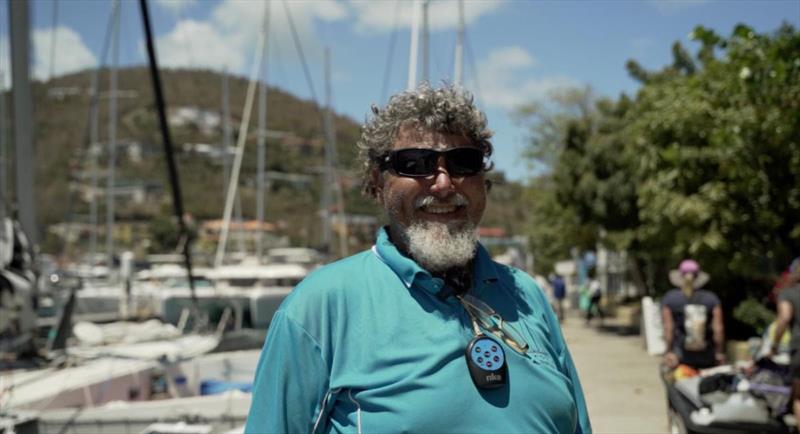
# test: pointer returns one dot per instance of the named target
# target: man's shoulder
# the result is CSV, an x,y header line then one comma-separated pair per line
x,y
323,288
344,270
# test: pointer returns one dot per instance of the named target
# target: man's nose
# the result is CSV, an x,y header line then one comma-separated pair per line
x,y
442,183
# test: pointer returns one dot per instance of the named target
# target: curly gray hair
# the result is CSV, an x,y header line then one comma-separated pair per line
x,y
449,109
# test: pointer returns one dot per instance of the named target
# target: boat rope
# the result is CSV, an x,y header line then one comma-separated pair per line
x,y
177,199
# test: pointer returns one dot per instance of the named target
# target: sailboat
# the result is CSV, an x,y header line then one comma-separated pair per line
x,y
98,371
253,287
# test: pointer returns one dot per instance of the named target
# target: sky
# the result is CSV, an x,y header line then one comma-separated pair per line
x,y
515,52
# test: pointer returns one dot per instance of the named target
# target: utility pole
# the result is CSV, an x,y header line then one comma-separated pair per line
x,y
18,15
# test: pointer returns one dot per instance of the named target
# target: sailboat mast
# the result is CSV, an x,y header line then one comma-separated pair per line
x,y
413,52
459,55
262,139
94,151
3,149
226,145
94,137
18,14
237,162
426,36
226,132
327,183
330,169
112,138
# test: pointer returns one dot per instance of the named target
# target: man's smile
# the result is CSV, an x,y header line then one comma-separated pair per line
x,y
431,208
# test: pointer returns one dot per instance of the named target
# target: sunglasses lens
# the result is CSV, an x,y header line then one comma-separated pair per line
x,y
415,162
422,162
464,161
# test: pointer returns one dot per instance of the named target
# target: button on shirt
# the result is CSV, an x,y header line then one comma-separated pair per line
x,y
365,345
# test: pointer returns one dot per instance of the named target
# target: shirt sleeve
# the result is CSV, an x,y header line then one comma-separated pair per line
x,y
290,382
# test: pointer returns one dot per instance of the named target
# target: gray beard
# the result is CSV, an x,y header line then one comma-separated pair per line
x,y
438,247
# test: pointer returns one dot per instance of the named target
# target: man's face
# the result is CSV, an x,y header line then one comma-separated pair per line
x,y
457,202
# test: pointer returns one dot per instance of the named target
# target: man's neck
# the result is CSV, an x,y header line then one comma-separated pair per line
x,y
457,280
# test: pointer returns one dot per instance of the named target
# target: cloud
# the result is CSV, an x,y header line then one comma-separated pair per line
x,y
443,15
506,82
71,53
512,57
176,6
230,36
668,7
199,44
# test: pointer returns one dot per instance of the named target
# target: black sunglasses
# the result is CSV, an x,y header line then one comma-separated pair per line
x,y
422,162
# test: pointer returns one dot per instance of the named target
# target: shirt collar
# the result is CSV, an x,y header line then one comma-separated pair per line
x,y
413,275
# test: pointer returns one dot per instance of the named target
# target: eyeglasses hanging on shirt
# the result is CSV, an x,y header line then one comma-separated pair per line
x,y
493,323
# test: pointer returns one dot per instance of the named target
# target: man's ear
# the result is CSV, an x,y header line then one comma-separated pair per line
x,y
377,182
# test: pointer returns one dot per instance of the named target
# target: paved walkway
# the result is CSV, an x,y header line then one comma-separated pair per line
x,y
620,380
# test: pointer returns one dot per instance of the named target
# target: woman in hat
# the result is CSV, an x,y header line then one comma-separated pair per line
x,y
692,317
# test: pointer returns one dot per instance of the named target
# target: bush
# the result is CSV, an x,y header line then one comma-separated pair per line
x,y
754,314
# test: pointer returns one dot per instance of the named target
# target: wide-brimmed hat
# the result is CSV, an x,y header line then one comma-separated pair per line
x,y
688,266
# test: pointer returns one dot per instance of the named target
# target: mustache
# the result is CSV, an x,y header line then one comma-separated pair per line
x,y
457,199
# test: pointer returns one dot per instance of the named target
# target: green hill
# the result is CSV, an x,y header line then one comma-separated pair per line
x,y
62,125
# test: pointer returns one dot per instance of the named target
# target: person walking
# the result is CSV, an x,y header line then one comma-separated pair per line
x,y
595,295
559,294
692,318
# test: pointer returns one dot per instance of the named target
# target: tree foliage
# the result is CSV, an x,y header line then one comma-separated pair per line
x,y
703,162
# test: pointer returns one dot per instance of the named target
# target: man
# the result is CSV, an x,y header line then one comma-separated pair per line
x,y
789,316
424,332
693,325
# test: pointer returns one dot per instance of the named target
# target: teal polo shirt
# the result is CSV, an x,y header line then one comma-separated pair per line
x,y
364,345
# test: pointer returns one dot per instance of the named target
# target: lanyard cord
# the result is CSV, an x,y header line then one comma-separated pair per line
x,y
475,328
